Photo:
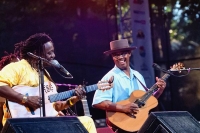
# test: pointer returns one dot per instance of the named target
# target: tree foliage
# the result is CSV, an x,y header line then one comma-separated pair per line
x,y
185,26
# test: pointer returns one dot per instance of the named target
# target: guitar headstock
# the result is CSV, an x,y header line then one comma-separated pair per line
x,y
177,67
105,85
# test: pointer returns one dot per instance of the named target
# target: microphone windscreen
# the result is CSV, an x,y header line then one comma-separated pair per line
x,y
54,63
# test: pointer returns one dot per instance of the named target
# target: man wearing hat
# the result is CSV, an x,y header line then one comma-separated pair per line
x,y
126,80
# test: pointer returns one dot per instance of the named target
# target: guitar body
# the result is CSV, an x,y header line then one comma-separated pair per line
x,y
128,123
20,111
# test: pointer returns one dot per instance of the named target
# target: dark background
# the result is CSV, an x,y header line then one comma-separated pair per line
x,y
82,29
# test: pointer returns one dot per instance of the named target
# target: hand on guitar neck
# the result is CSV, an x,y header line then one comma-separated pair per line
x,y
80,92
161,84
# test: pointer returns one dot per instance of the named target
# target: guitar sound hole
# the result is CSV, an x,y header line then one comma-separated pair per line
x,y
131,115
140,103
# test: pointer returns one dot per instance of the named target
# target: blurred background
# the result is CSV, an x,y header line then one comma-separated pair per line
x,y
82,29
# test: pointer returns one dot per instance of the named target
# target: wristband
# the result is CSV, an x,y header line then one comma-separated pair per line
x,y
69,102
24,99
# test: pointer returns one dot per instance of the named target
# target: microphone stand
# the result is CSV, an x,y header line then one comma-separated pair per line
x,y
41,83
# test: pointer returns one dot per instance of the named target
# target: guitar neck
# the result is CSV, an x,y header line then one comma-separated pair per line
x,y
70,93
153,89
86,107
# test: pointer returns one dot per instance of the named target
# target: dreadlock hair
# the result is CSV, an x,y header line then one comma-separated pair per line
x,y
8,58
34,44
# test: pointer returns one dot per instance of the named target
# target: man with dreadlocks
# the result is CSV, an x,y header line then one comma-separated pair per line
x,y
25,72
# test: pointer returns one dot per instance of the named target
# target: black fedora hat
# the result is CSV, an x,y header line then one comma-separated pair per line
x,y
119,45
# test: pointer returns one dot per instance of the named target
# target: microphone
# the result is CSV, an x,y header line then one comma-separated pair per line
x,y
37,57
53,63
156,66
60,67
170,72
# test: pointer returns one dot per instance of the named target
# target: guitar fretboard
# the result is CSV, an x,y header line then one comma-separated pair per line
x,y
70,93
86,107
149,93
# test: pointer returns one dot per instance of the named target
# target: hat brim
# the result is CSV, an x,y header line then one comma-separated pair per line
x,y
118,50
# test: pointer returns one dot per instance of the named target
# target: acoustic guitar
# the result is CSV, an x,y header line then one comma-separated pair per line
x,y
145,100
51,95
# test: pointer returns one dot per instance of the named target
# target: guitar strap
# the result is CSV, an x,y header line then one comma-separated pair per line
x,y
141,83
